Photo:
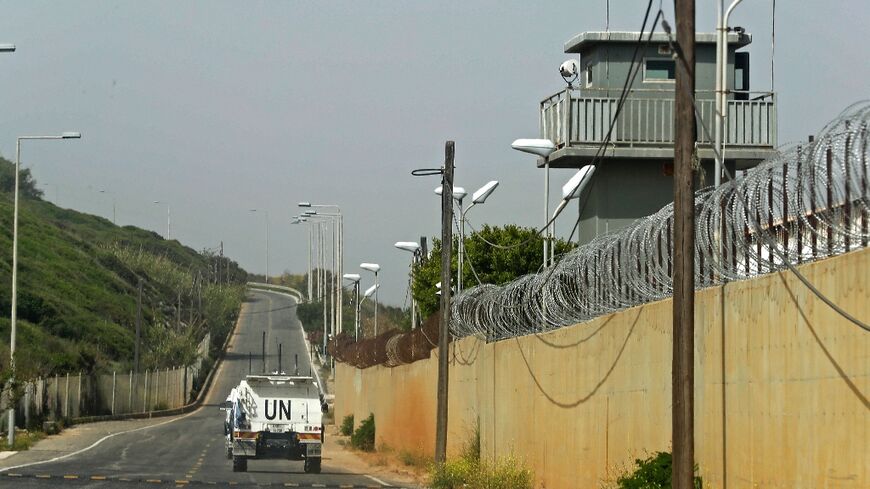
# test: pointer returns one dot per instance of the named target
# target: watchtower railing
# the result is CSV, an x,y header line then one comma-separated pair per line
x,y
647,119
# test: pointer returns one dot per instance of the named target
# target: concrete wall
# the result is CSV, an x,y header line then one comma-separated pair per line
x,y
579,404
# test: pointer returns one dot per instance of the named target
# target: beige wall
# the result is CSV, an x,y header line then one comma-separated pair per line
x,y
579,404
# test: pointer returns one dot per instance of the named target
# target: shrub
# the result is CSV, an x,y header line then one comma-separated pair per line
x,y
652,472
470,472
364,436
347,425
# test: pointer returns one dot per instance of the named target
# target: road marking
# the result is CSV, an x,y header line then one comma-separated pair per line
x,y
291,484
124,479
317,485
43,476
377,480
98,477
182,482
14,475
154,481
101,440
70,476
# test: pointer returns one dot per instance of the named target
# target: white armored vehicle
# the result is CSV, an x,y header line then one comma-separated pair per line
x,y
275,417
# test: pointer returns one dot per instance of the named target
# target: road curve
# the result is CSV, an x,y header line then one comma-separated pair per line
x,y
189,449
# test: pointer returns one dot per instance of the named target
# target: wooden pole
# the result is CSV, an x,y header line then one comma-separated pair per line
x,y
444,330
683,376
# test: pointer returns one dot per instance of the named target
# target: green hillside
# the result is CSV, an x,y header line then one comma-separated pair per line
x,y
77,287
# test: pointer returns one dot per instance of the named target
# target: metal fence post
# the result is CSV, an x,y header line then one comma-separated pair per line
x,y
79,399
114,380
66,398
130,394
145,393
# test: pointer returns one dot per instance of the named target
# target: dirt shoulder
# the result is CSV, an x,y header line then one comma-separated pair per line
x,y
385,463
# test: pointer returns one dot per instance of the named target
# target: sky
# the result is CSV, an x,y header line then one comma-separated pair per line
x,y
219,107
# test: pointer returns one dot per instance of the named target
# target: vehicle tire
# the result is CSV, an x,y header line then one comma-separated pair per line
x,y
312,465
240,464
229,453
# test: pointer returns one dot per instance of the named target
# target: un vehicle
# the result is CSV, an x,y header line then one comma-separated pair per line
x,y
275,417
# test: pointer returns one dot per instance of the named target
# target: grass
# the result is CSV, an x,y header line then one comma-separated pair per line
x,y
470,471
24,439
77,287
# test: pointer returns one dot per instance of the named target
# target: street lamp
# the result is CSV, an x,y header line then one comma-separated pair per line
x,y
413,248
368,293
543,148
304,220
104,191
7,48
354,277
339,253
573,189
374,268
14,315
168,217
266,213
459,193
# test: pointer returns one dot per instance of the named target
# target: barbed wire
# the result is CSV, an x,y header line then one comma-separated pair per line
x,y
808,201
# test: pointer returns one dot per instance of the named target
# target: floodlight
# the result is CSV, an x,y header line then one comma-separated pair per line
x,y
305,204
372,267
540,147
577,183
480,196
459,193
71,135
407,246
371,290
353,277
7,48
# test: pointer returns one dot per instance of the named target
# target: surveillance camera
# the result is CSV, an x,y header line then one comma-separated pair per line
x,y
739,30
568,69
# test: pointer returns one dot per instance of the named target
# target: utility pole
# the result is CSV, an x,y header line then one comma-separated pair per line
x,y
682,370
138,328
444,329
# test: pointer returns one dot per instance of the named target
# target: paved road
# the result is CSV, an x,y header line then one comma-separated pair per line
x,y
189,450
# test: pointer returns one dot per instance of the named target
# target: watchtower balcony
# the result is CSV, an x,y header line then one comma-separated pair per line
x,y
578,123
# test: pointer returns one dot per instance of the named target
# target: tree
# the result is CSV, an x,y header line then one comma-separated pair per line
x,y
26,183
519,252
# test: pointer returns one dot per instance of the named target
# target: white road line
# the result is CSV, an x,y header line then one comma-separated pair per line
x,y
101,440
377,480
217,375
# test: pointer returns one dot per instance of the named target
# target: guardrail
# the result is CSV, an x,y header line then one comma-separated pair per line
x,y
277,288
567,118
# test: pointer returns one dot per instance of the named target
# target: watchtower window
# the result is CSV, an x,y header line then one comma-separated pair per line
x,y
588,74
657,70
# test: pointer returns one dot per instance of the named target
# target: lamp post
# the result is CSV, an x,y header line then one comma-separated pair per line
x,y
168,218
339,251
543,148
354,277
721,84
304,220
7,48
335,280
266,213
104,191
413,248
368,293
374,268
459,193
14,314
